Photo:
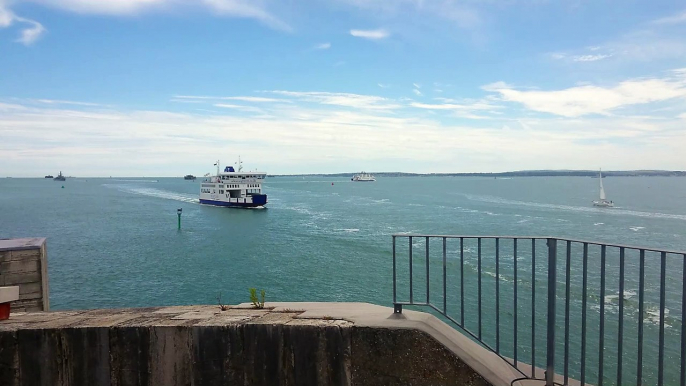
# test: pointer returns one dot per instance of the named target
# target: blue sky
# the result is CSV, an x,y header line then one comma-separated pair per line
x,y
166,87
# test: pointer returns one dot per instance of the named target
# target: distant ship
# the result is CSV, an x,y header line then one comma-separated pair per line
x,y
233,188
603,202
189,177
49,176
363,177
60,177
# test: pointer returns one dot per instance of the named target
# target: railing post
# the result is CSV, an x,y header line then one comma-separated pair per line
x,y
552,281
397,308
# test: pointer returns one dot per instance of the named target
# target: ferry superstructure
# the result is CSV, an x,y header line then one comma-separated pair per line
x,y
233,188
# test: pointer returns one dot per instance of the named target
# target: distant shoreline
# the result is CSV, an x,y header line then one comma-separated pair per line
x,y
523,173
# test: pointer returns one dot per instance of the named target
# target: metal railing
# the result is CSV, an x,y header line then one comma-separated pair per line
x,y
504,292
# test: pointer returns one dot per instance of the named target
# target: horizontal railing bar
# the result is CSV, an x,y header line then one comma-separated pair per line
x,y
599,243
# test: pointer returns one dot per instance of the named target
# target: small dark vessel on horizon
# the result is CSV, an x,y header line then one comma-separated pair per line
x,y
49,176
189,177
60,177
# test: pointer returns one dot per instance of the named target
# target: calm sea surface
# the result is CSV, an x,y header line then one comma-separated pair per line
x,y
114,242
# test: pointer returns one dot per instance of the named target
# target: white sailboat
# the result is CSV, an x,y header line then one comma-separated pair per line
x,y
604,202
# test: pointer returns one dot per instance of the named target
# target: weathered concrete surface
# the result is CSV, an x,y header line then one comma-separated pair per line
x,y
289,344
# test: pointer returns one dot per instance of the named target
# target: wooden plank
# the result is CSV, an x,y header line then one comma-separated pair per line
x,y
31,296
16,278
44,277
29,288
19,266
32,254
30,305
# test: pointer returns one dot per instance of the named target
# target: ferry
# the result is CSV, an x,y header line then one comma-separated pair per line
x,y
363,177
233,188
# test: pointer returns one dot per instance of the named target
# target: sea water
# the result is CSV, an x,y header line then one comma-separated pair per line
x,y
114,242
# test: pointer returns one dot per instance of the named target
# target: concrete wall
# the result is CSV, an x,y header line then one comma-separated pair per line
x,y
201,345
23,263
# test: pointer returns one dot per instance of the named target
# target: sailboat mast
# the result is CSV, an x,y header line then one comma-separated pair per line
x,y
602,190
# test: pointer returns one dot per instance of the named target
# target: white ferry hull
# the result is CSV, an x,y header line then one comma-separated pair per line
x,y
244,202
363,177
603,204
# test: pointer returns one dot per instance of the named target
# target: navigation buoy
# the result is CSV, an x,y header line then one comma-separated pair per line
x,y
332,184
62,186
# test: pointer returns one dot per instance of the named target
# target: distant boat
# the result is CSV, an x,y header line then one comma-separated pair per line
x,y
49,176
363,177
603,202
189,177
60,177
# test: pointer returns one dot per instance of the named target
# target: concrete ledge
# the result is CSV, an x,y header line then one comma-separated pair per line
x,y
9,294
283,344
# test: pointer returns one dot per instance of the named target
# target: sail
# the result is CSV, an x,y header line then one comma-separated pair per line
x,y
602,190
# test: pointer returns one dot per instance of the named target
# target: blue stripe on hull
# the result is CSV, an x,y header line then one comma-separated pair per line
x,y
231,204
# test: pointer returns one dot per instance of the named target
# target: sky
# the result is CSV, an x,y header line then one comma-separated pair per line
x,y
167,87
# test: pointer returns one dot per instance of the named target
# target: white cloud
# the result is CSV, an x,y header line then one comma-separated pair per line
x,y
322,46
375,34
28,35
367,102
456,12
6,16
247,9
582,57
63,102
453,106
645,45
236,98
417,92
590,58
589,99
231,8
332,132
417,85
11,106
305,139
105,7
382,85
238,107
674,19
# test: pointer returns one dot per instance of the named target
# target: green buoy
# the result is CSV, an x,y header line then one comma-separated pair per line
x,y
62,186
